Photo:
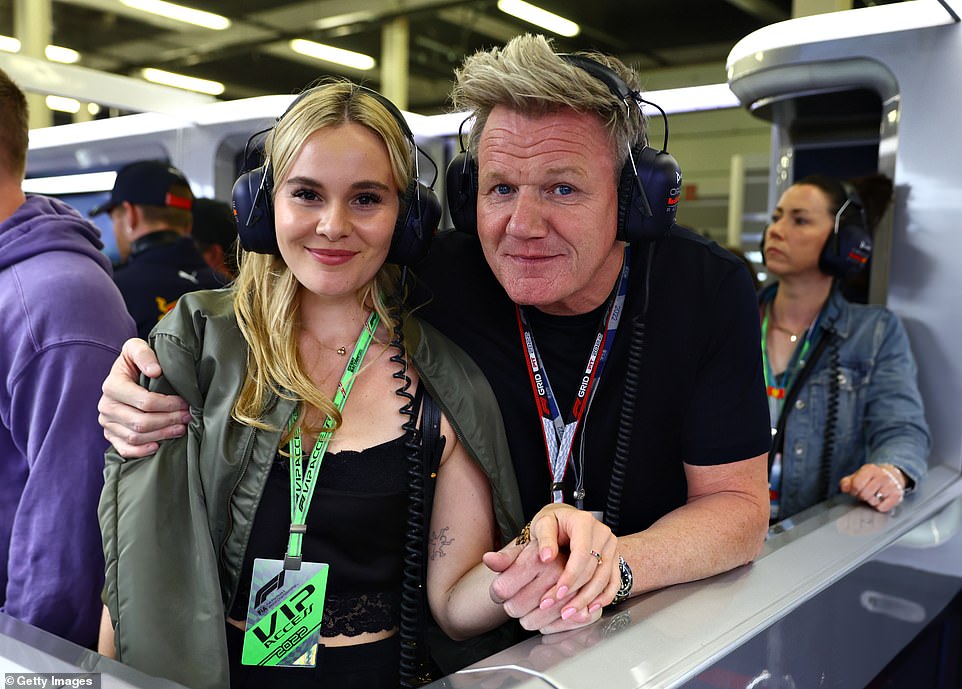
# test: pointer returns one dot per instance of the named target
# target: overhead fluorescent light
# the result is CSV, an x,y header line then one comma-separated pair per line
x,y
694,98
335,21
329,53
57,53
9,44
189,15
54,53
539,17
182,81
63,104
70,184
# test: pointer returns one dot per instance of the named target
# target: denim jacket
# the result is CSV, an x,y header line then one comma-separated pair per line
x,y
879,420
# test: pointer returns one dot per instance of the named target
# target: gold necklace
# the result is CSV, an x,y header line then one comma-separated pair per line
x,y
793,337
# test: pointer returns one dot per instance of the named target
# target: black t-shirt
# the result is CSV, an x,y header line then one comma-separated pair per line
x,y
698,394
356,522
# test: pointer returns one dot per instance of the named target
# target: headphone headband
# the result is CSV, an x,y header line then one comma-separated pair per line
x,y
602,73
649,185
849,247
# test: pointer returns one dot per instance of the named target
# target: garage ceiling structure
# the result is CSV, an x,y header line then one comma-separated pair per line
x,y
253,56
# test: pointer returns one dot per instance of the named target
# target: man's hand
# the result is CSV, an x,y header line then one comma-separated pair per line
x,y
134,419
548,588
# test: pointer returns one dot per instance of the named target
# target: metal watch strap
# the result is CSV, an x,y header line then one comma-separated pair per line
x,y
626,582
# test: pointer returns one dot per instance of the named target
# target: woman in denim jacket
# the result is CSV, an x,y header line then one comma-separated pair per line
x,y
845,406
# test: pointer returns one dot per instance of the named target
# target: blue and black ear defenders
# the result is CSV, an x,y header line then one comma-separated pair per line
x,y
649,186
849,247
416,224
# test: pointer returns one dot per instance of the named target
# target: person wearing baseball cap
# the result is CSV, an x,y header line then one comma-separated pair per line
x,y
150,208
215,231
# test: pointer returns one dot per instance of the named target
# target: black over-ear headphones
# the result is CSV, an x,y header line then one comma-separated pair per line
x,y
649,186
416,224
849,247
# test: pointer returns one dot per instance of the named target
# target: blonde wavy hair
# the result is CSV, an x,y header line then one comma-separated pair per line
x,y
527,76
266,302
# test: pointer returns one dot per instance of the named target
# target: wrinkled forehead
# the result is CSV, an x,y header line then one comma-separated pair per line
x,y
556,135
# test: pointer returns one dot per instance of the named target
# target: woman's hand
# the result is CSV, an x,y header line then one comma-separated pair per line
x,y
880,485
589,580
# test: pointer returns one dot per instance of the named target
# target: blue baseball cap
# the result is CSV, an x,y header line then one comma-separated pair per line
x,y
148,183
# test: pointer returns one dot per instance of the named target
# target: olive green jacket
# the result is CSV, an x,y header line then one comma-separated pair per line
x,y
176,524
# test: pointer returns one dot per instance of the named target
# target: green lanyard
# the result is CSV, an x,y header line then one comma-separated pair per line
x,y
778,386
303,482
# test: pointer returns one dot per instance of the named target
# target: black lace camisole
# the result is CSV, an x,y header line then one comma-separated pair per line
x,y
356,523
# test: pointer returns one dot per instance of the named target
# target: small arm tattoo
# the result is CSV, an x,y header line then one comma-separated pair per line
x,y
439,541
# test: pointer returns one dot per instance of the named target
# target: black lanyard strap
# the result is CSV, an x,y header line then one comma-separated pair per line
x,y
778,440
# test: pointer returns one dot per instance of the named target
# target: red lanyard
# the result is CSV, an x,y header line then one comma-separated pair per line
x,y
558,434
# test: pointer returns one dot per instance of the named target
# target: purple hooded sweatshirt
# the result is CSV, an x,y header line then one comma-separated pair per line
x,y
62,323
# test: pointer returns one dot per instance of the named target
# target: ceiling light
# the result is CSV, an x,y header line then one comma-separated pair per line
x,y
694,98
8,44
93,109
328,53
326,23
54,53
539,17
70,184
208,20
63,104
57,53
181,81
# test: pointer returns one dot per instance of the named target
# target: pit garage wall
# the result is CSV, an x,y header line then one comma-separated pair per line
x,y
922,145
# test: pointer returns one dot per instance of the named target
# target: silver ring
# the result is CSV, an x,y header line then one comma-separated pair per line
x,y
879,495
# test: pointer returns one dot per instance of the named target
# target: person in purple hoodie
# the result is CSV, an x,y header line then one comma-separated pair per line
x,y
62,321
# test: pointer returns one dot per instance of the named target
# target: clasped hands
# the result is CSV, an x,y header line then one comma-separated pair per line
x,y
562,576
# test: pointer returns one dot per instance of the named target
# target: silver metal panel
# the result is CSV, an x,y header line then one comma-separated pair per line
x,y
666,638
26,649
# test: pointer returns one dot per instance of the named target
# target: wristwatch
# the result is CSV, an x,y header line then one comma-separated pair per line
x,y
626,582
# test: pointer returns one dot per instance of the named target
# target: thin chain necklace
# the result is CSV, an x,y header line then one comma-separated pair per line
x,y
793,337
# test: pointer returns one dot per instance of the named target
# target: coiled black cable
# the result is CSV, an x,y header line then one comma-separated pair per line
x,y
626,423
831,418
626,418
412,591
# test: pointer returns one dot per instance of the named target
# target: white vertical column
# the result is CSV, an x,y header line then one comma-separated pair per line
x,y
33,26
394,61
83,115
736,200
805,8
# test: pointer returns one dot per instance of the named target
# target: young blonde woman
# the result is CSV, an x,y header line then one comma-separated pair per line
x,y
304,461
845,406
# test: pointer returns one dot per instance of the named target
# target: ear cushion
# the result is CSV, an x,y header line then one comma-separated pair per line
x,y
847,250
461,192
415,228
416,225
254,211
643,215
648,195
